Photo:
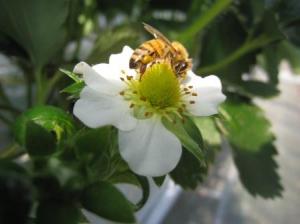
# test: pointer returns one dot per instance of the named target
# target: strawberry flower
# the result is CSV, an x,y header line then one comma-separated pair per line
x,y
117,95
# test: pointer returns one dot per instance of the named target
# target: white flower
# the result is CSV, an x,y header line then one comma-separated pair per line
x,y
116,95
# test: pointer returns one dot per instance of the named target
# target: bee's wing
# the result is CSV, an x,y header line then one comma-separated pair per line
x,y
158,35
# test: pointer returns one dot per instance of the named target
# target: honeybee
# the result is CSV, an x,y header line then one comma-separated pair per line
x,y
160,50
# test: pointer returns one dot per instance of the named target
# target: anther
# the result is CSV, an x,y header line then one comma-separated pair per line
x,y
122,93
122,71
192,102
122,79
194,94
129,77
131,105
187,92
190,87
143,98
146,114
185,89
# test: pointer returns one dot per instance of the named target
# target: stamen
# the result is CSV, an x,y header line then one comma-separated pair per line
x,y
187,92
190,87
194,94
143,98
131,105
122,93
192,102
129,77
185,89
122,79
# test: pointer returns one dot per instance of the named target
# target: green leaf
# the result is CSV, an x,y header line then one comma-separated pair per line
x,y
246,125
251,139
57,212
258,170
92,150
74,89
49,117
39,142
210,134
131,178
71,75
189,172
188,134
106,201
36,25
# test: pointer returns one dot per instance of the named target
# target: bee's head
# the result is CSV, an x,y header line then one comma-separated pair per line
x,y
182,66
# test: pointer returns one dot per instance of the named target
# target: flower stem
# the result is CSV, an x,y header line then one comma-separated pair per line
x,y
51,83
39,98
204,19
247,47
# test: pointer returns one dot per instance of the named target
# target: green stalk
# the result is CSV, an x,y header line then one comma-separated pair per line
x,y
247,47
39,82
204,19
51,83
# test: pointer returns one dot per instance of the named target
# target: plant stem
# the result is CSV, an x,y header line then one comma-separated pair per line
x,y
55,78
204,19
247,47
28,91
39,98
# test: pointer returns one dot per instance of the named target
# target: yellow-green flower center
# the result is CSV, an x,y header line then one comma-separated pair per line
x,y
158,91
159,86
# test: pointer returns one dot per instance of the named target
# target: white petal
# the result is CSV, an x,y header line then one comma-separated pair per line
x,y
150,149
95,109
121,59
209,94
102,80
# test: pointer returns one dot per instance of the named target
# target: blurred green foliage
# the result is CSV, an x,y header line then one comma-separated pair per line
x,y
224,37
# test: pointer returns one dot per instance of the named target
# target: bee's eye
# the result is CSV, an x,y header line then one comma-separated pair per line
x,y
181,66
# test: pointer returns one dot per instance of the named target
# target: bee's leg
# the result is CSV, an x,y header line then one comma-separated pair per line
x,y
142,70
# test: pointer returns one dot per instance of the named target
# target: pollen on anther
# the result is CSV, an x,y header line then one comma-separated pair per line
x,y
192,102
194,94
143,98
